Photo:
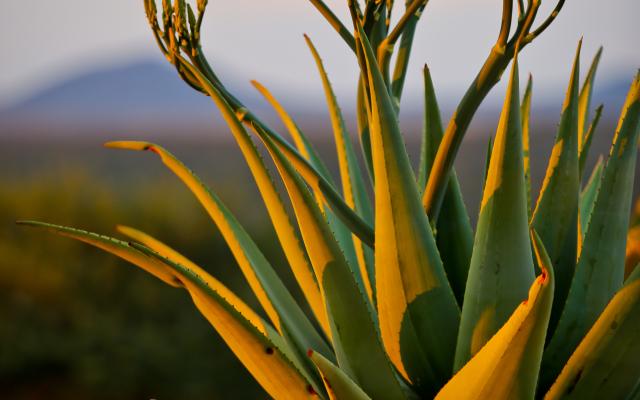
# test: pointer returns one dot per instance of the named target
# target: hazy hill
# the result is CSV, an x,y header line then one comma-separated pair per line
x,y
148,96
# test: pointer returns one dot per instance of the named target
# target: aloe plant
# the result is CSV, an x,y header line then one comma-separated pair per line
x,y
408,301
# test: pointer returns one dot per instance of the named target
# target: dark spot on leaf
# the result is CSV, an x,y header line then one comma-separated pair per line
x,y
575,382
270,350
326,382
310,389
614,325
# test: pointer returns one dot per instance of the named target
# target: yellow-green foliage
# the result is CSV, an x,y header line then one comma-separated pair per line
x,y
407,301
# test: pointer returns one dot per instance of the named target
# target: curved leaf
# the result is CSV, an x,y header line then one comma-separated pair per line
x,y
586,144
600,269
501,271
454,236
584,103
525,112
589,195
487,165
342,233
418,313
354,335
363,129
355,193
338,384
264,360
554,211
404,52
605,364
168,252
507,366
281,222
274,297
114,246
348,217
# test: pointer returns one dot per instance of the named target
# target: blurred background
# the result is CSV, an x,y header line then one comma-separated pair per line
x,y
76,322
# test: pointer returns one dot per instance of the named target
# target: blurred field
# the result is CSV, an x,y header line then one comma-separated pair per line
x,y
76,322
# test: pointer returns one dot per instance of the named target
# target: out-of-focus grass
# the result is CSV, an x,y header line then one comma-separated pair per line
x,y
76,322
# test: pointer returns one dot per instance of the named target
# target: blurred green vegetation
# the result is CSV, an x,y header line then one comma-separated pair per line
x,y
77,322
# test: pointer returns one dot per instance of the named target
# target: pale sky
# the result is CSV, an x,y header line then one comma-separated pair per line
x,y
46,41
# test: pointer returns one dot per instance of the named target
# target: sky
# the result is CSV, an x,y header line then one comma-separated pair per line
x,y
46,41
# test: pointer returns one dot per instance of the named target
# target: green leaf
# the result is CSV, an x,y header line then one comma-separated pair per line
x,y
359,351
279,217
168,252
454,236
335,23
525,112
487,165
402,60
586,145
605,364
600,269
274,297
114,246
346,215
264,360
565,268
338,384
342,233
355,192
363,129
418,313
589,195
585,99
507,366
501,271
556,204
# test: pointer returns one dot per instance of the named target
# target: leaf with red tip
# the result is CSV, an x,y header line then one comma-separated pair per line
x,y
507,366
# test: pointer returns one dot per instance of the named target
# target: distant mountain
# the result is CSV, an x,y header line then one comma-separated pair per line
x,y
146,89
149,93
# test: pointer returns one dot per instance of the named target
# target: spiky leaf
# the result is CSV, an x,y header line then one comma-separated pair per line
x,y
454,236
554,211
281,222
341,232
586,145
338,384
501,269
507,366
114,246
585,99
271,368
346,215
168,252
355,339
605,365
525,112
589,195
274,297
600,269
418,312
355,193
